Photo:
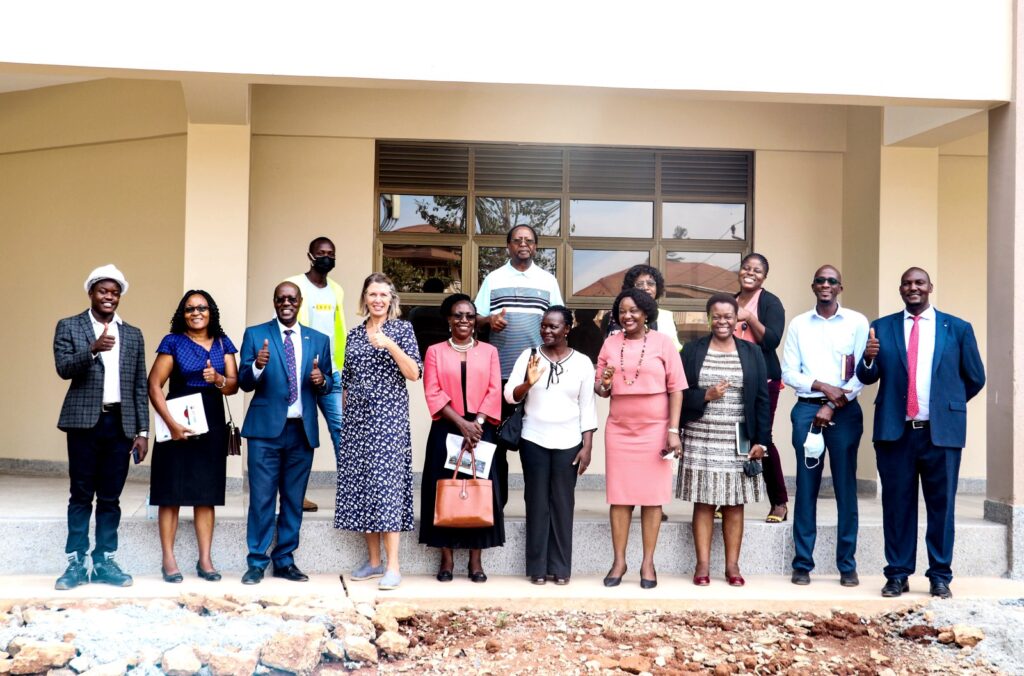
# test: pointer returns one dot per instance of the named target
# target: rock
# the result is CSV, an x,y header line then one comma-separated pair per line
x,y
33,657
80,664
359,649
606,662
61,672
592,665
394,644
945,637
919,632
666,651
878,657
5,666
15,645
268,601
635,664
402,612
3,655
147,655
492,645
360,626
180,660
301,613
221,606
366,610
115,668
193,602
724,669
40,616
298,652
335,650
232,663
967,636
385,623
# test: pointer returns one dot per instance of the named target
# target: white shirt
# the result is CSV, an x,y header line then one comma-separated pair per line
x,y
321,304
558,413
925,356
111,359
816,348
294,410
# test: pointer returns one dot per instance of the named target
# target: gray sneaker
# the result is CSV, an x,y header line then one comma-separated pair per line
x,y
366,571
391,580
75,575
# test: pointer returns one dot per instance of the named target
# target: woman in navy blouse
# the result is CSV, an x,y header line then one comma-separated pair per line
x,y
189,469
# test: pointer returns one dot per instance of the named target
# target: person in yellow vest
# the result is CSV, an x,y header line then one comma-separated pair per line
x,y
323,310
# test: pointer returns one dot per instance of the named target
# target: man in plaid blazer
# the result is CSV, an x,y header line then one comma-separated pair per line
x,y
106,418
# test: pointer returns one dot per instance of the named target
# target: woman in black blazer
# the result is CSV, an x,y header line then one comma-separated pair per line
x,y
728,392
761,319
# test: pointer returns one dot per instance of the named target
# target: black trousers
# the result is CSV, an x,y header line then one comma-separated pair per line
x,y
98,468
501,452
550,479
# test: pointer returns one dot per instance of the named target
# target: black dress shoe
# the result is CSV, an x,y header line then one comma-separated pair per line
x,y
291,572
253,575
648,584
445,575
850,579
478,576
941,589
208,575
610,581
800,577
173,578
894,588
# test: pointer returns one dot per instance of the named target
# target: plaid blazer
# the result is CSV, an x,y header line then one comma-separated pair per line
x,y
81,409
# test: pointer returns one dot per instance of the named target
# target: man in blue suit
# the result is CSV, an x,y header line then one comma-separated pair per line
x,y
283,363
929,365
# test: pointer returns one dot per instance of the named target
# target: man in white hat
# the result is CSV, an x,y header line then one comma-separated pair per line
x,y
106,418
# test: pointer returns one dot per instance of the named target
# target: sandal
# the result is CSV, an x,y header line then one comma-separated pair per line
x,y
774,518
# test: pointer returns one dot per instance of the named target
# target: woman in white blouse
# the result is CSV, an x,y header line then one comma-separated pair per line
x,y
559,420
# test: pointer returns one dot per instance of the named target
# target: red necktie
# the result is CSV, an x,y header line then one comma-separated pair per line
x,y
912,406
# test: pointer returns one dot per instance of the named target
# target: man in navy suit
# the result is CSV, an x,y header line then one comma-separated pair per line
x,y
283,363
929,365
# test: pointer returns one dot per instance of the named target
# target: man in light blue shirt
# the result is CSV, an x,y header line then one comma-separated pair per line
x,y
822,349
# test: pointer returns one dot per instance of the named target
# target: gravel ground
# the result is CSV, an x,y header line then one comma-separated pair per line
x,y
1002,622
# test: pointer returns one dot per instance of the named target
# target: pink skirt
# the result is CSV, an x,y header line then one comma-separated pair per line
x,y
634,436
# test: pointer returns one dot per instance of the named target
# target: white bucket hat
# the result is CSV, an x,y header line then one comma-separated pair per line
x,y
108,271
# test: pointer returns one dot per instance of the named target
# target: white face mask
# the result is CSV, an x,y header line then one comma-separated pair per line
x,y
814,447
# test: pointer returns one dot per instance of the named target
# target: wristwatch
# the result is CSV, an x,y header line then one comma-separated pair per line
x,y
480,418
144,434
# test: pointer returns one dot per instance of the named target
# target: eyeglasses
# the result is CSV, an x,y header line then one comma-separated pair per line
x,y
523,240
464,315
645,283
831,280
197,309
287,300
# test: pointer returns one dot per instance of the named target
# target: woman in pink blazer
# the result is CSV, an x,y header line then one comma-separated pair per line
x,y
462,384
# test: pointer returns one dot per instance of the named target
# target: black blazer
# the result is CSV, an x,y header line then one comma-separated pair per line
x,y
756,408
771,313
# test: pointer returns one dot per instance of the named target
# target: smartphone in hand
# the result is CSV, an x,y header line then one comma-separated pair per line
x,y
135,456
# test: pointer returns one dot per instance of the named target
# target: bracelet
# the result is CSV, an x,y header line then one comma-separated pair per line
x,y
221,386
605,388
673,430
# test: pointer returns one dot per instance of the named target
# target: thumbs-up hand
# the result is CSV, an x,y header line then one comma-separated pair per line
x,y
498,321
263,356
871,350
315,376
209,375
105,342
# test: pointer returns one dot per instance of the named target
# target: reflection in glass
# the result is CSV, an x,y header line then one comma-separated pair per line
x,y
424,269
697,274
603,218
694,220
597,273
496,215
587,335
493,257
428,325
419,214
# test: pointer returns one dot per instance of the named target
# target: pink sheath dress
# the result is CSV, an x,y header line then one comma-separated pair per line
x,y
637,425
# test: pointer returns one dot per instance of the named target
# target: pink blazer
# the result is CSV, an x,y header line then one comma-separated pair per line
x,y
442,380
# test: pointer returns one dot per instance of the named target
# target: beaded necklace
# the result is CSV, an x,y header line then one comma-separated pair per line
x,y
622,359
462,348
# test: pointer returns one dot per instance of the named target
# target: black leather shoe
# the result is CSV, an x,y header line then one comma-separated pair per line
x,y
208,575
74,575
107,571
173,578
894,588
610,581
291,572
253,575
445,575
850,579
800,577
477,576
941,589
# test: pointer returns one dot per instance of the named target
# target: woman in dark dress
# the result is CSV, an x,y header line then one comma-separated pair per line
x,y
462,384
197,357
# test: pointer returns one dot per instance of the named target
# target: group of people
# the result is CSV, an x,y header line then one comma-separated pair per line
x,y
710,404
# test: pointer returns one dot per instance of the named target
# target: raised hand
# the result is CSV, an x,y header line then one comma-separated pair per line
x,y
209,375
105,342
263,356
534,370
315,376
498,321
717,391
379,340
871,350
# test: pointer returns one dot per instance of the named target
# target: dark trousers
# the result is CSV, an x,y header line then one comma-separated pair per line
x,y
501,452
277,467
774,479
550,479
901,465
841,442
98,467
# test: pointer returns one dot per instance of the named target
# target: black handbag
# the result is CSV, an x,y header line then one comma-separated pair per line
x,y
234,446
510,431
752,468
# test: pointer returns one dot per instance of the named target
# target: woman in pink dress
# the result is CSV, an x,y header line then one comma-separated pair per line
x,y
640,370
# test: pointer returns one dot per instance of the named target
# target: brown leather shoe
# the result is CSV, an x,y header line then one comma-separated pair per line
x,y
308,506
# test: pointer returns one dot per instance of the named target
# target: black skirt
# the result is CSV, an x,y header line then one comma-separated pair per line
x,y
192,472
433,469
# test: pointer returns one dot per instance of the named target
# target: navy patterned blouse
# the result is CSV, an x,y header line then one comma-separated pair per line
x,y
190,357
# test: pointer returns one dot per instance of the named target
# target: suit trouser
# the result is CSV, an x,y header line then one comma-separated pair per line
x,y
901,465
841,442
97,467
550,479
278,466
774,479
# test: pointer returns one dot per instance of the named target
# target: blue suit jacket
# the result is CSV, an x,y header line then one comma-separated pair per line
x,y
268,409
957,375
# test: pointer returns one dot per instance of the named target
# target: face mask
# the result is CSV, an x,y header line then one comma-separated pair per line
x,y
814,447
323,264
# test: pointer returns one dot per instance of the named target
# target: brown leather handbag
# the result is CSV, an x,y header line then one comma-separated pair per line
x,y
464,503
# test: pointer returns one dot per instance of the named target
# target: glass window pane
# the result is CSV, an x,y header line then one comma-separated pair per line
x,y
698,274
496,215
587,333
692,220
597,273
415,214
427,323
424,269
603,218
493,257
